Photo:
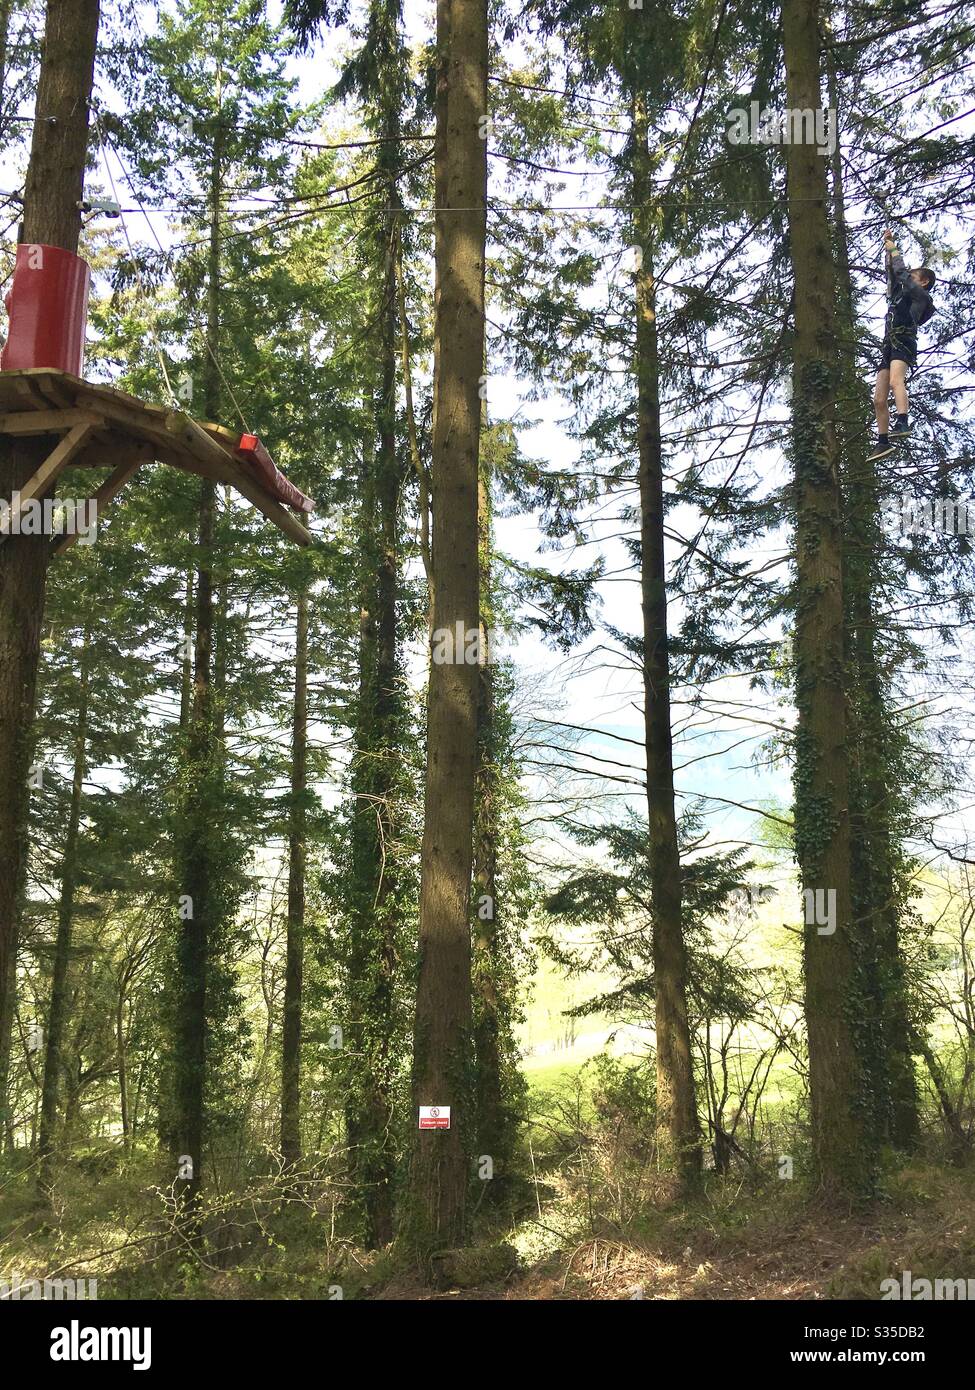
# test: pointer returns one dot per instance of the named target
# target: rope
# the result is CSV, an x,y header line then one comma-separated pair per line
x,y
230,392
102,140
142,285
138,273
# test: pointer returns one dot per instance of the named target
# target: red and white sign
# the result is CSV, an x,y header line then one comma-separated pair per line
x,y
434,1116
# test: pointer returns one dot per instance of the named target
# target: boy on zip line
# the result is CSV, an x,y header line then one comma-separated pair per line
x,y
910,305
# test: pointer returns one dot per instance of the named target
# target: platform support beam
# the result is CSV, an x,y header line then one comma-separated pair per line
x,y
48,473
105,494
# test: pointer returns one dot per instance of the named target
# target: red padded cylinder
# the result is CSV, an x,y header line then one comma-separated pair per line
x,y
48,309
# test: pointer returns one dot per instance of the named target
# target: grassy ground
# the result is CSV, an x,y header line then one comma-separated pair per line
x,y
778,1246
575,1237
585,1223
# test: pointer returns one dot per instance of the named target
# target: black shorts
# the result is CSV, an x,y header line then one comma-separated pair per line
x,y
900,345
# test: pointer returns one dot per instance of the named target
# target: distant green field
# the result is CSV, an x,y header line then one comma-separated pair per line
x,y
546,1026
551,1078
555,1048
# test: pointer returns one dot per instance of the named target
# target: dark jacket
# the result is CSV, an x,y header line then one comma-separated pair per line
x,y
910,303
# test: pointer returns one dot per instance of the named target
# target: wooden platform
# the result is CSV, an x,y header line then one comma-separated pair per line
x,y
105,428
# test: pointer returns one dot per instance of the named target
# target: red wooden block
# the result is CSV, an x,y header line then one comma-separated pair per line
x,y
270,476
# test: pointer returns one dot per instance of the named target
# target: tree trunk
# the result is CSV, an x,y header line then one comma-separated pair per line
x,y
165,1074
5,8
841,1132
57,1016
221,638
291,1039
873,853
195,881
958,1139
678,1133
8,992
195,866
492,1139
52,217
377,901
441,1068
186,671
123,1086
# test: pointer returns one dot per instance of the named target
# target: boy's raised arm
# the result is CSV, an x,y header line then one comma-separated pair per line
x,y
897,272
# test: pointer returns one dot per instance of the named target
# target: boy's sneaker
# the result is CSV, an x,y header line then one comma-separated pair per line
x,y
881,449
900,429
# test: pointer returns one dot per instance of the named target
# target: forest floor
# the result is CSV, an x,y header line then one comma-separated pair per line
x,y
770,1244
788,1248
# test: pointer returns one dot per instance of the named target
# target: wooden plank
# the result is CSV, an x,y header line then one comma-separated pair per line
x,y
141,420
25,422
227,439
197,438
106,493
41,387
194,437
193,443
148,423
250,488
274,511
108,448
28,396
120,398
50,388
111,407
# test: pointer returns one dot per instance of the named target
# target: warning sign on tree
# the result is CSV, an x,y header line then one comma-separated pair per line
x,y
434,1116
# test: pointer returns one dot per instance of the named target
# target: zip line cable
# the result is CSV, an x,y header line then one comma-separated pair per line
x,y
494,203
869,196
